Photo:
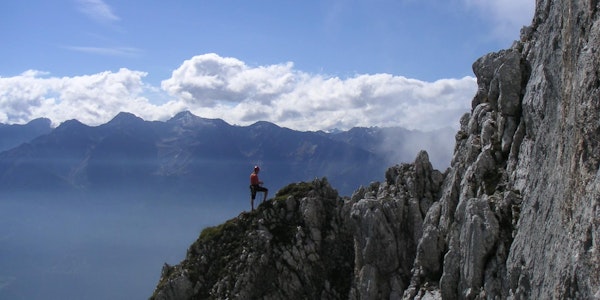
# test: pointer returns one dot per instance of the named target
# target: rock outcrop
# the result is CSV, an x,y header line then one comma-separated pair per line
x,y
387,221
309,243
291,247
516,216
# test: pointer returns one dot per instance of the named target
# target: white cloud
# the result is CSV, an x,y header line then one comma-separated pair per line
x,y
219,87
91,99
97,10
227,88
207,79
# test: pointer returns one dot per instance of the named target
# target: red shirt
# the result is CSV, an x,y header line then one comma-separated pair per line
x,y
254,179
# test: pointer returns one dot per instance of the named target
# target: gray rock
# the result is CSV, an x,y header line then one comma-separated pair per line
x,y
516,216
292,247
529,167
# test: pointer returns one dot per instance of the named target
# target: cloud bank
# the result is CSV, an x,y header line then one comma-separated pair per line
x,y
224,87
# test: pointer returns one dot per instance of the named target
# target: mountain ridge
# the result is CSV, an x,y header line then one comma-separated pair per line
x,y
134,154
16,134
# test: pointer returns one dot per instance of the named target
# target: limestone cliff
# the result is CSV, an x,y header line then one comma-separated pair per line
x,y
516,216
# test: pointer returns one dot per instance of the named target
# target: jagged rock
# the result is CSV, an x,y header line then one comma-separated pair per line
x,y
516,216
291,247
387,222
527,171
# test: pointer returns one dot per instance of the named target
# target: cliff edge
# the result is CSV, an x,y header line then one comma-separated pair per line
x,y
516,216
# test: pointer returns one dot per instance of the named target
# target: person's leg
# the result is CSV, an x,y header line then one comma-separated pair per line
x,y
266,192
252,196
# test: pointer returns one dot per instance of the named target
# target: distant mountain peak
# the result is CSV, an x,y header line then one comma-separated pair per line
x,y
43,122
184,117
187,119
186,114
69,124
13,135
125,117
264,125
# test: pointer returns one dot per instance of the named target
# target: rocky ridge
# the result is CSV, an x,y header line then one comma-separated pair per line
x,y
516,216
309,243
291,247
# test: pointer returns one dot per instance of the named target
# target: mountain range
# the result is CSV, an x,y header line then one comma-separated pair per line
x,y
15,134
192,157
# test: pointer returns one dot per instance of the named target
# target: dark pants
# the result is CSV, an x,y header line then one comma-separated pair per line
x,y
257,188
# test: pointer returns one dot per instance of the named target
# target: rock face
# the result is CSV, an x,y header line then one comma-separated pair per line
x,y
516,216
308,243
386,220
292,247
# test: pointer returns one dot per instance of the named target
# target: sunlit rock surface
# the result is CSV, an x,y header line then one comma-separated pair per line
x,y
516,216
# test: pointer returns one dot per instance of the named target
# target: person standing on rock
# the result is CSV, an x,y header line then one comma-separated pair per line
x,y
256,186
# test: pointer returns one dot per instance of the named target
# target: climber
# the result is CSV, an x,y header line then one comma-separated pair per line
x,y
256,186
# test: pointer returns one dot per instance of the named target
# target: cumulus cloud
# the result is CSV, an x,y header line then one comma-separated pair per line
x,y
91,99
223,87
208,79
227,88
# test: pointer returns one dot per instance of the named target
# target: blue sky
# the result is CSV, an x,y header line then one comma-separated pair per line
x,y
306,65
